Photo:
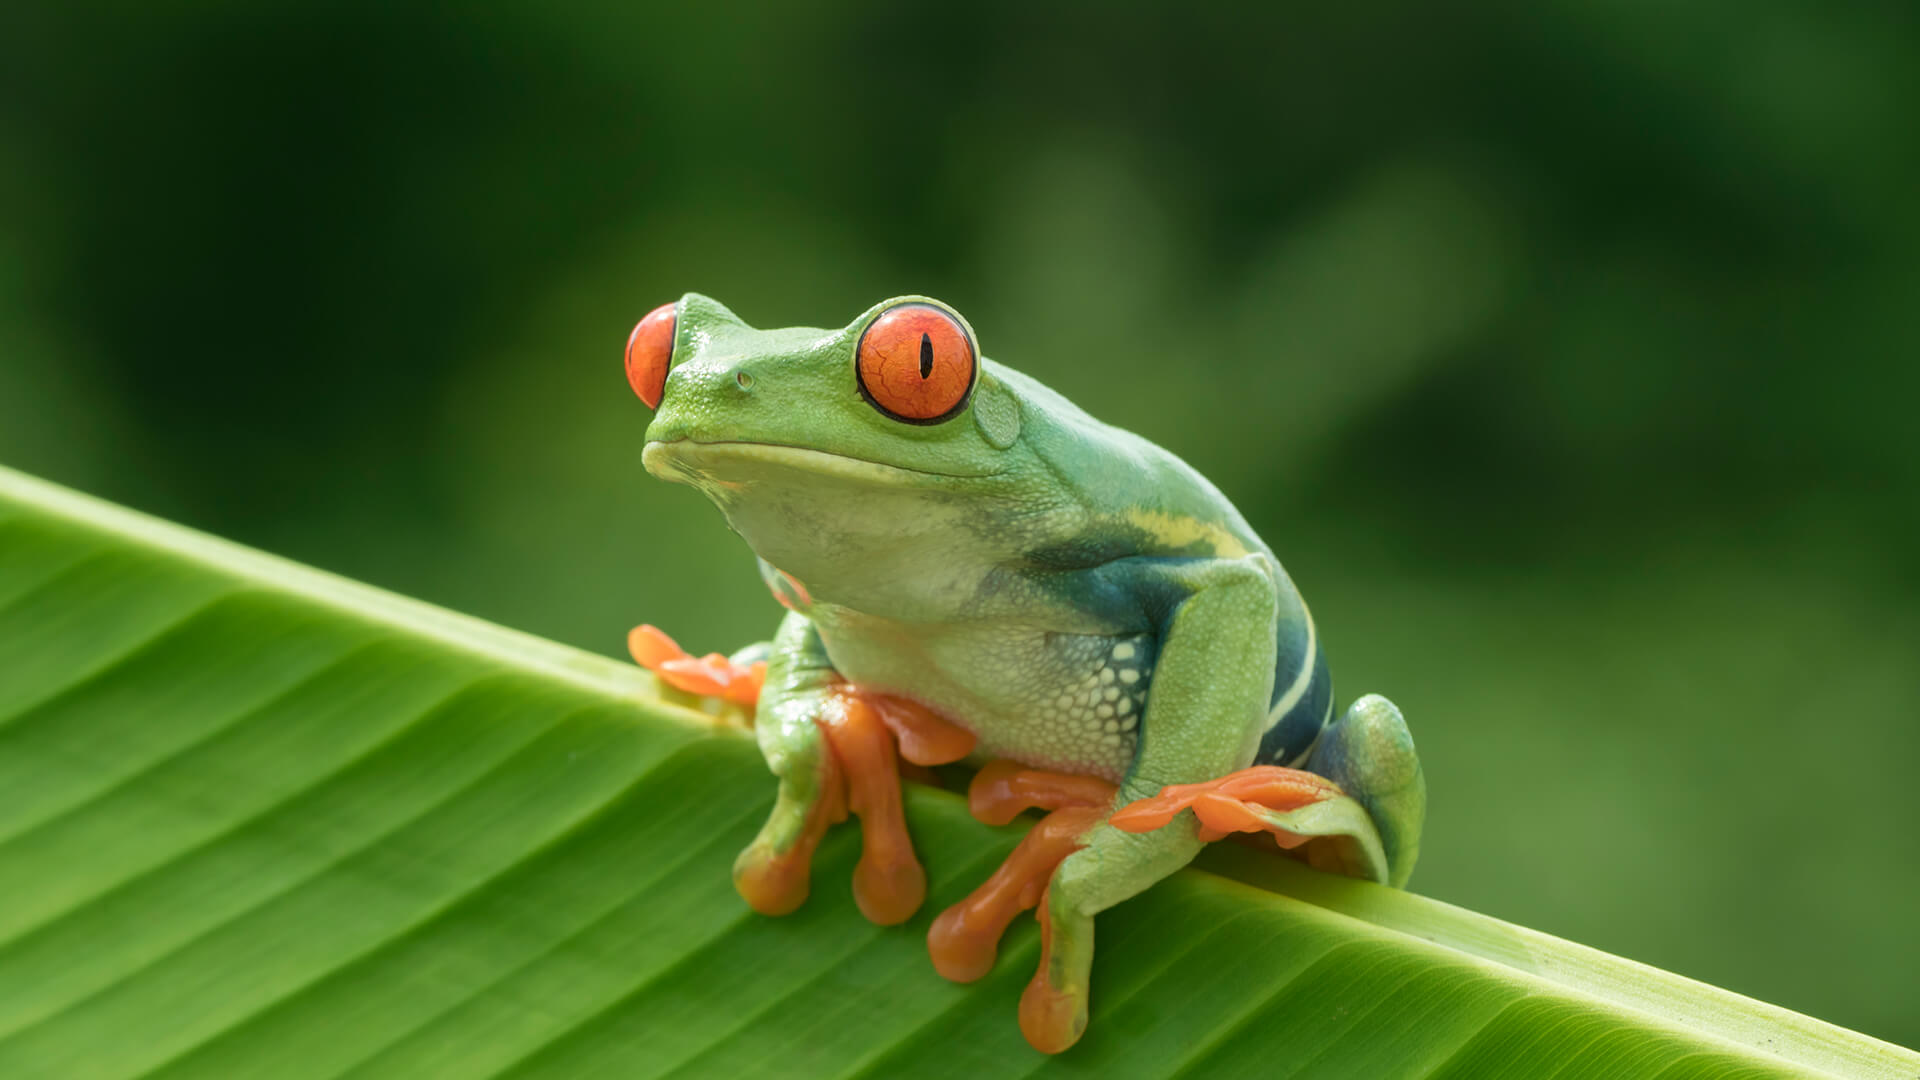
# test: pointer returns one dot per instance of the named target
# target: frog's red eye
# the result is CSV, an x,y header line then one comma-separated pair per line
x,y
916,364
649,351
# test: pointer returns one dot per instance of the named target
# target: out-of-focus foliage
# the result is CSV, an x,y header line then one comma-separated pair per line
x,y
1564,352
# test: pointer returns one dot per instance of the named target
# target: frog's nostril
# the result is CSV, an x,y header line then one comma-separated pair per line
x,y
744,380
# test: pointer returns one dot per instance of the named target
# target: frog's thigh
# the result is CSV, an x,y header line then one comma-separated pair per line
x,y
1204,718
1206,709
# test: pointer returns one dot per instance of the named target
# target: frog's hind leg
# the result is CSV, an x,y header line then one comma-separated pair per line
x,y
965,939
1042,872
1356,809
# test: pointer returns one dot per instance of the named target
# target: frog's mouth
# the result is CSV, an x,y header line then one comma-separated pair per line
x,y
723,459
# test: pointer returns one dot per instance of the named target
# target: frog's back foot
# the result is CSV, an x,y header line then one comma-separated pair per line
x,y
1369,753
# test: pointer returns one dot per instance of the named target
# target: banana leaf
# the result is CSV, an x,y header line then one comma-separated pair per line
x,y
257,820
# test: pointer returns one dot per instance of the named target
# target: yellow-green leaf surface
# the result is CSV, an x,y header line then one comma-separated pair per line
x,y
259,821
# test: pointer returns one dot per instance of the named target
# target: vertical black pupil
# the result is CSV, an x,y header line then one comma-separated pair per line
x,y
926,356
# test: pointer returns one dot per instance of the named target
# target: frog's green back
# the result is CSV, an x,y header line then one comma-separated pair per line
x,y
1134,492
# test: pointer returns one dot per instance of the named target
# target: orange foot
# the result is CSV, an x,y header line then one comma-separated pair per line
x,y
866,735
1243,801
712,675
965,938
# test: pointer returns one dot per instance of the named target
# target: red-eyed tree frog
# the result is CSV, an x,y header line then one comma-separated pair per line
x,y
973,568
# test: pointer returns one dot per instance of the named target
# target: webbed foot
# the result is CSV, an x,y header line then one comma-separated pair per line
x,y
1071,867
731,679
1358,811
847,753
852,765
1294,805
965,939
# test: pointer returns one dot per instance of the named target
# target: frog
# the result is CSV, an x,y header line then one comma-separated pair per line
x,y
976,570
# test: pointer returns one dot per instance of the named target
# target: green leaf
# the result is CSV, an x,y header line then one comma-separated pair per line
x,y
256,820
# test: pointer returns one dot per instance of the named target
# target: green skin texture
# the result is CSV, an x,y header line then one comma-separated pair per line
x,y
988,566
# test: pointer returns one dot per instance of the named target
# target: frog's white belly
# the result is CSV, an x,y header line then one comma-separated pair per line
x,y
1070,702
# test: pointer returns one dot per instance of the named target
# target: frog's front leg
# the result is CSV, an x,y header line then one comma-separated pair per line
x,y
773,873
833,748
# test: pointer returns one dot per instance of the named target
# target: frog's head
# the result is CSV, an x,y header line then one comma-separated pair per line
x,y
802,429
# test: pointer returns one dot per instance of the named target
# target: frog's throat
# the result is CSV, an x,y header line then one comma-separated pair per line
x,y
676,459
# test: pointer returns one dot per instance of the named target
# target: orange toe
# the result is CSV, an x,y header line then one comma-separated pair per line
x,y
746,684
1003,789
890,889
1232,803
925,738
711,675
1221,815
990,795
888,884
1052,1019
777,882
651,646
965,939
708,675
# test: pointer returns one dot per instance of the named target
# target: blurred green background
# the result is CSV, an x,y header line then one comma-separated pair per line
x,y
1565,352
